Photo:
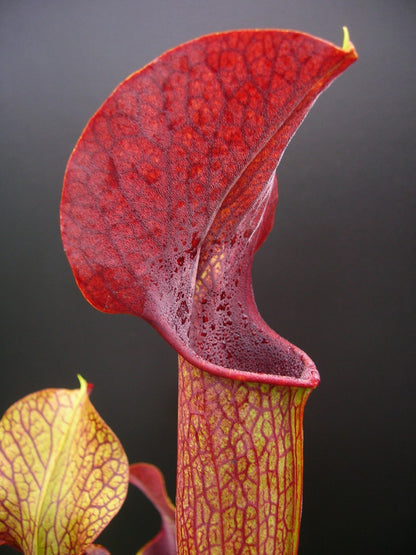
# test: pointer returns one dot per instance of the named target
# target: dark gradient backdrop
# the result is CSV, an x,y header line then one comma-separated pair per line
x,y
336,276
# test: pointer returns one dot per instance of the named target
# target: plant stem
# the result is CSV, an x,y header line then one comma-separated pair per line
x,y
240,465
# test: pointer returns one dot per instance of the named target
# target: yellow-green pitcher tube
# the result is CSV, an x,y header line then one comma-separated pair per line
x,y
240,465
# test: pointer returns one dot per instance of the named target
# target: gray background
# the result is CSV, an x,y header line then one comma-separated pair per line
x,y
336,276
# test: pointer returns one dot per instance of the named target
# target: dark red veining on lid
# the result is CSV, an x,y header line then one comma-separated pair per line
x,y
171,189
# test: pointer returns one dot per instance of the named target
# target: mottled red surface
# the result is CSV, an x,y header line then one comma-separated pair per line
x,y
168,194
171,189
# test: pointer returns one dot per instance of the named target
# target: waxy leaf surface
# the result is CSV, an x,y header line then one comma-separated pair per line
x,y
149,480
63,473
171,189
